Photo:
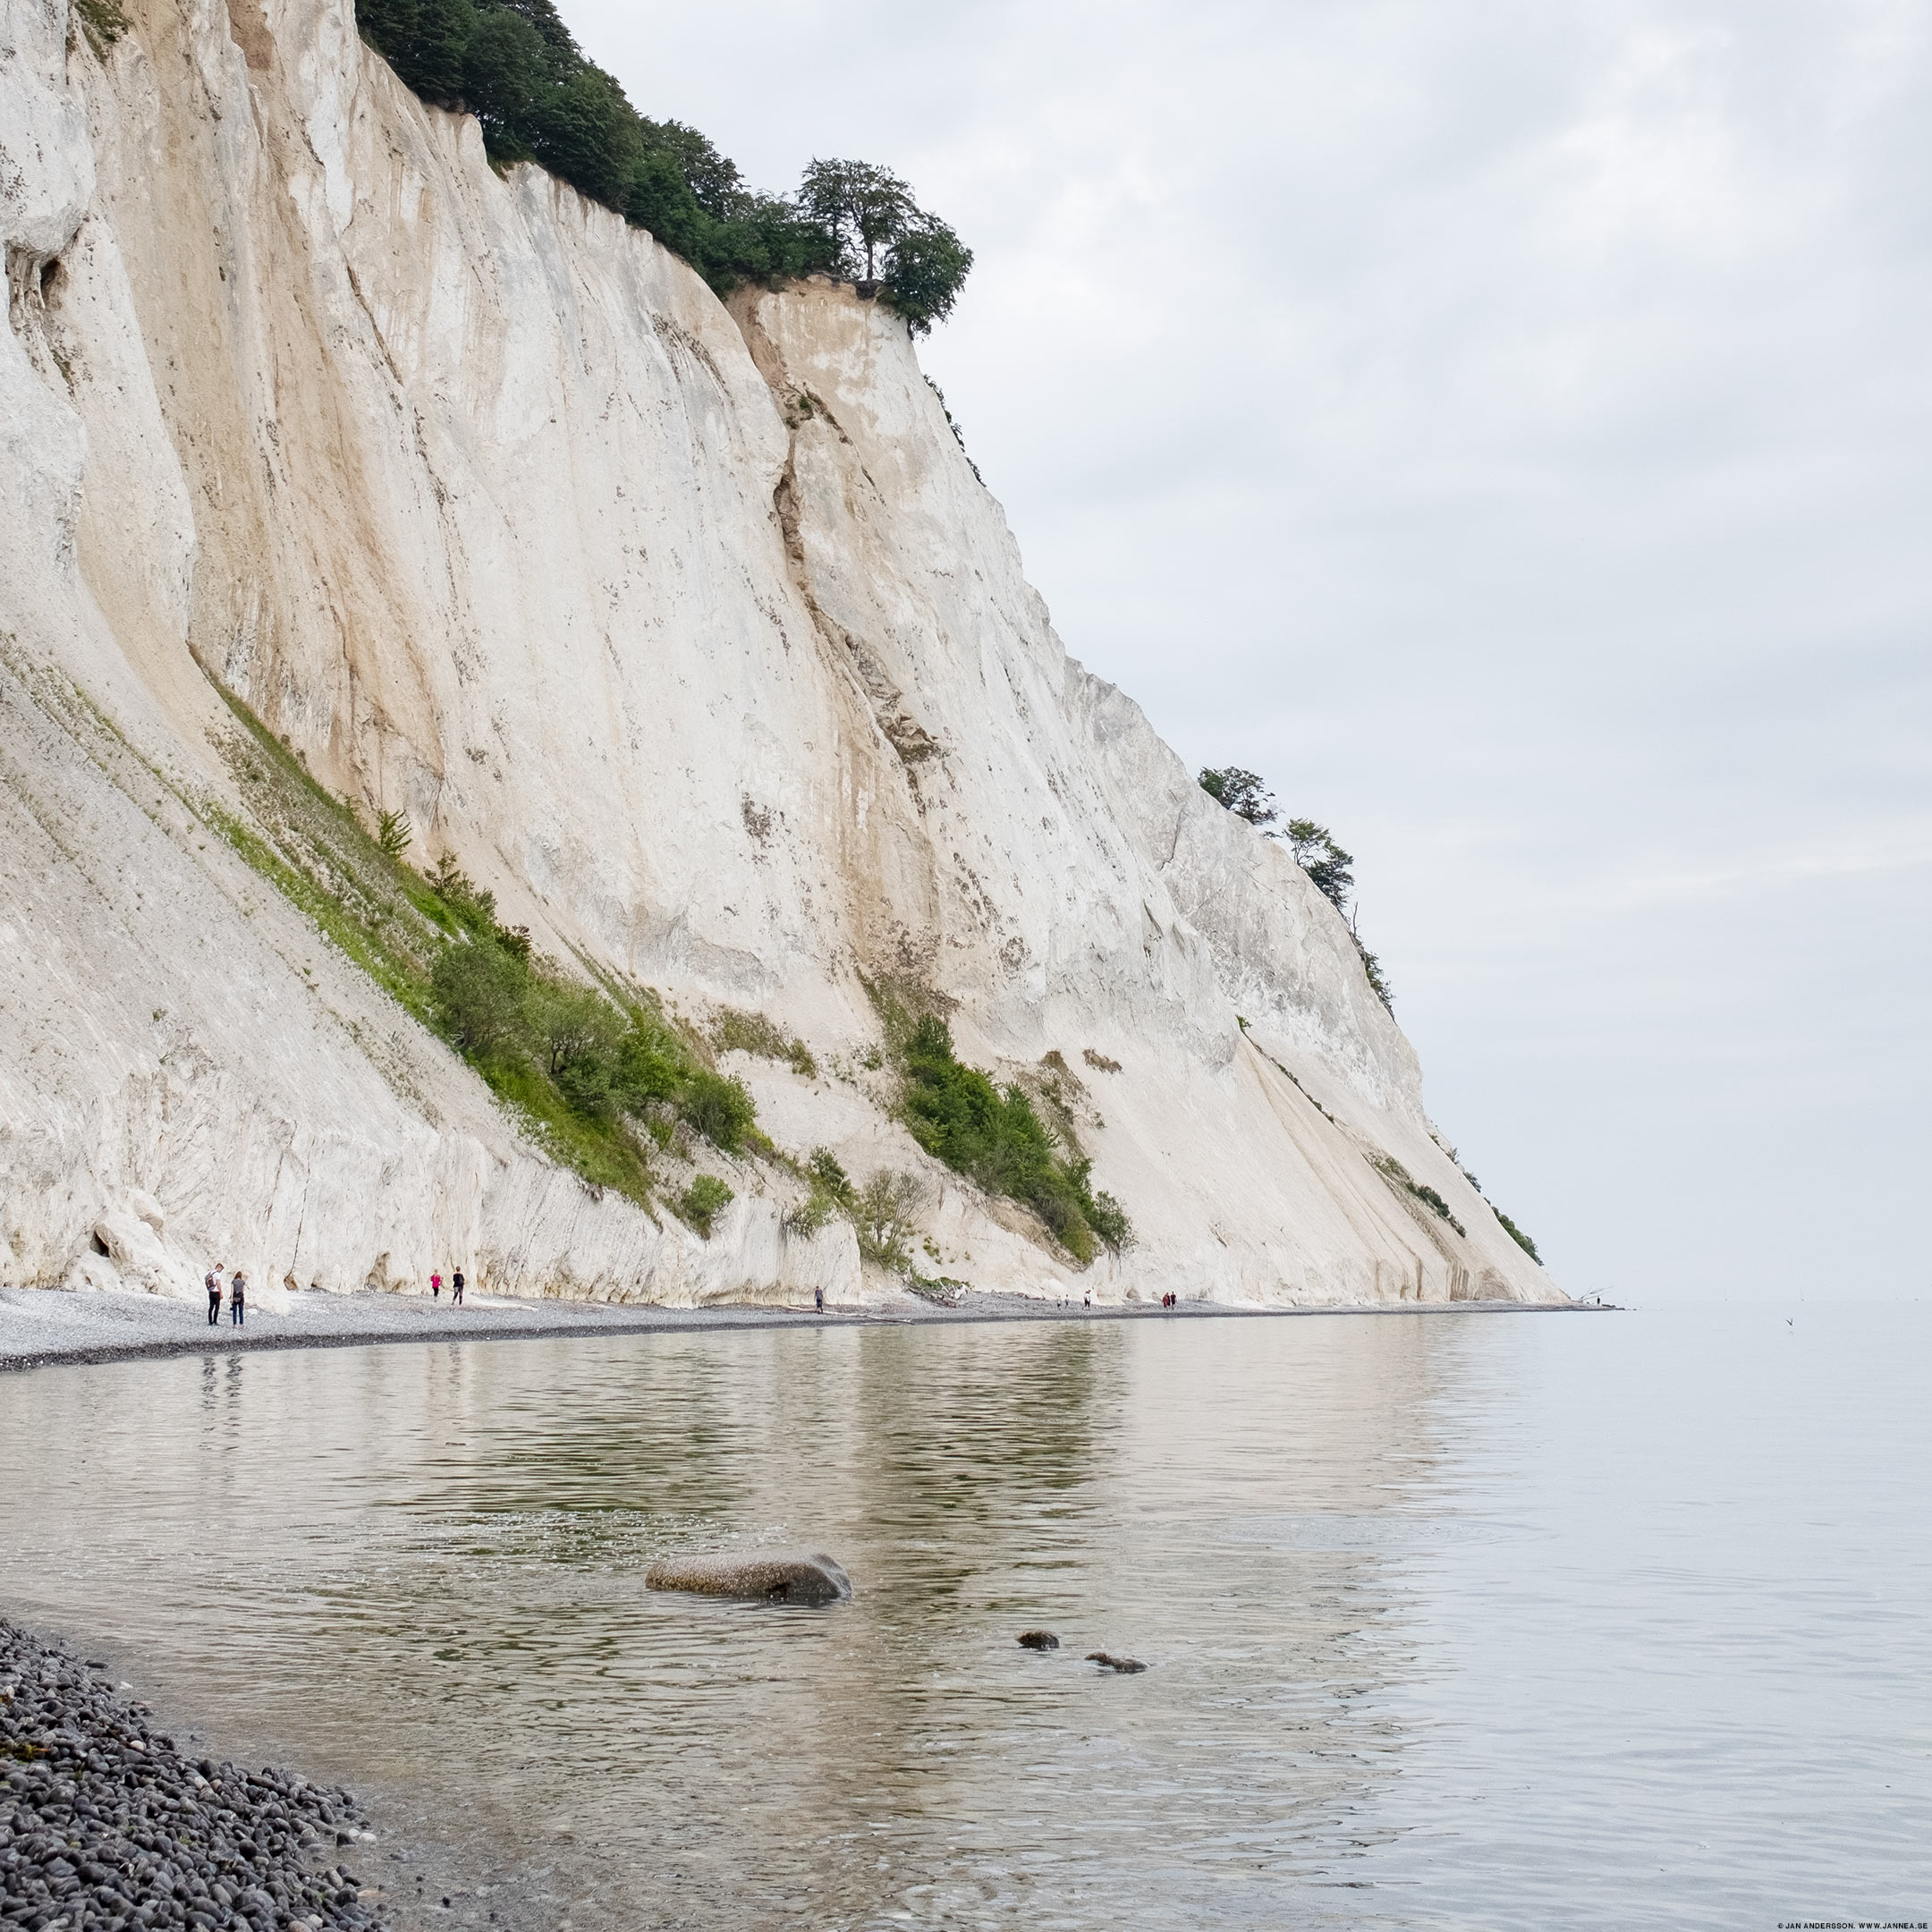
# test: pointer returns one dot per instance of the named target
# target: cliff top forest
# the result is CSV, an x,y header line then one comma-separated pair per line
x,y
517,67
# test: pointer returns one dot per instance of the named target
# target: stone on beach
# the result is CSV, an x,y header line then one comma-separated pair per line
x,y
761,1576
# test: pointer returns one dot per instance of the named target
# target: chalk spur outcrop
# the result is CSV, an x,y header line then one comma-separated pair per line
x,y
761,1576
688,630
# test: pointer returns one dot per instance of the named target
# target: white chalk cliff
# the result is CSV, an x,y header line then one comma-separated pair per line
x,y
687,628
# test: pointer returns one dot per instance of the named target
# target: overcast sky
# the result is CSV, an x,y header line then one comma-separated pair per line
x,y
1508,427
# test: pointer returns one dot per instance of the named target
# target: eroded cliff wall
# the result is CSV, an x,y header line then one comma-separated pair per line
x,y
690,630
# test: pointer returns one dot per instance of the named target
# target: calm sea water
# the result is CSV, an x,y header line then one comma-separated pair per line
x,y
1486,1622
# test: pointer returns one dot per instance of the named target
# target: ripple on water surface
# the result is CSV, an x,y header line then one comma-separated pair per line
x,y
1486,1622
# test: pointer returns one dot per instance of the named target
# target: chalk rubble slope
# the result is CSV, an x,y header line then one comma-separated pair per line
x,y
689,629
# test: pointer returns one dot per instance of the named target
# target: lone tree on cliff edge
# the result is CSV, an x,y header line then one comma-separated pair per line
x,y
885,239
866,208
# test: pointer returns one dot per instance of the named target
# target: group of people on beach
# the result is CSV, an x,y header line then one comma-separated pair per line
x,y
237,1293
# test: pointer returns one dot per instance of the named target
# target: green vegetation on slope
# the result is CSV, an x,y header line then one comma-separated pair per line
x,y
996,1138
517,67
1392,1170
583,1068
1516,1234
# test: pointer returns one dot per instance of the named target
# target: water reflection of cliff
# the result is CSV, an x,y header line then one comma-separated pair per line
x,y
444,1554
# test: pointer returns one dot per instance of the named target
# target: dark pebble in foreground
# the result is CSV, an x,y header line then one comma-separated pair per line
x,y
1126,1666
104,1823
1038,1639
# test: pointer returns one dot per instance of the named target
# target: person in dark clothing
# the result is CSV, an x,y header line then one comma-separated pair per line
x,y
214,1286
238,1300
456,1288
818,1299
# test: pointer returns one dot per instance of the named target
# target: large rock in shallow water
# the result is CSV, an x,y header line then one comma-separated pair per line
x,y
764,1576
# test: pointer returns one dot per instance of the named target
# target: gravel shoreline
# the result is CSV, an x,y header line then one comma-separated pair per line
x,y
105,1823
39,1326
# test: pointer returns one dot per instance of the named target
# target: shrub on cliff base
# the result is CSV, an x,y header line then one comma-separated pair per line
x,y
882,1215
996,1138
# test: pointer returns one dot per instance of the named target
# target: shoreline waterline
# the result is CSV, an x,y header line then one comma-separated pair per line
x,y
126,1329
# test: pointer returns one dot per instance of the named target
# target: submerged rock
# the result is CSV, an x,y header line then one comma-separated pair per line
x,y
1038,1639
763,1576
1126,1666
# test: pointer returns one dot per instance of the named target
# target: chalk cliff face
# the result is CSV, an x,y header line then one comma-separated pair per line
x,y
689,629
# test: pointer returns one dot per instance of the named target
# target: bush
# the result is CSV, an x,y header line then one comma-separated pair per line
x,y
703,1198
832,1193
1393,1170
830,1179
573,1025
588,1087
1109,1221
811,1215
1516,1234
882,1217
733,1031
468,907
480,991
720,1109
648,1066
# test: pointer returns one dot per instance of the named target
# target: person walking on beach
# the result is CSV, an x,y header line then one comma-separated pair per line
x,y
436,1287
238,1300
456,1289
213,1283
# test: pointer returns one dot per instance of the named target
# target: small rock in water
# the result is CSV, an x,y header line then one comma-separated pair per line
x,y
766,1576
1126,1666
1038,1639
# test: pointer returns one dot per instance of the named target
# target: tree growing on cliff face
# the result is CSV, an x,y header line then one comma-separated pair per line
x,y
925,270
1329,868
1243,792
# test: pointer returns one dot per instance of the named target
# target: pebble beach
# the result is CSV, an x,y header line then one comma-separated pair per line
x,y
40,1326
105,1822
